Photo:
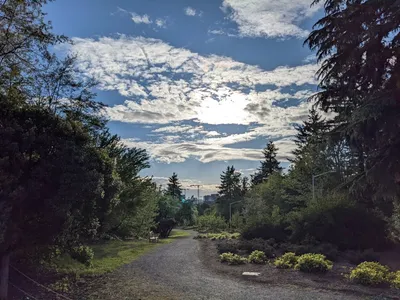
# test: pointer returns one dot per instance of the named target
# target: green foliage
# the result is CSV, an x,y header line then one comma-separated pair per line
x,y
269,165
257,257
286,261
229,191
330,220
396,280
232,259
370,273
219,236
187,214
313,263
237,221
211,223
174,188
329,250
83,254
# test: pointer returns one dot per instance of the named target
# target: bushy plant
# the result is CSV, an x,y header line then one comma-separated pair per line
x,y
256,244
313,263
219,236
266,231
329,250
211,223
227,246
232,259
83,254
286,261
370,273
395,280
357,257
257,257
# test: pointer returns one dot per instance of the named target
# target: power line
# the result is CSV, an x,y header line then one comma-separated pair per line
x,y
22,291
41,285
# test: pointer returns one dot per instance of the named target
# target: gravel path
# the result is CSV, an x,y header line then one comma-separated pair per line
x,y
177,266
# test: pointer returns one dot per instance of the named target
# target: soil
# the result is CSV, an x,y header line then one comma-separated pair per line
x,y
331,281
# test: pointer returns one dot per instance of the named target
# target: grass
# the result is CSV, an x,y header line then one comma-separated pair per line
x,y
109,256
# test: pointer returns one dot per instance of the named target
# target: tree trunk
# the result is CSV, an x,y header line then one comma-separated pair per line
x,y
4,270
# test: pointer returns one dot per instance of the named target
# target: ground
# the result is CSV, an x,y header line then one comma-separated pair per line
x,y
180,270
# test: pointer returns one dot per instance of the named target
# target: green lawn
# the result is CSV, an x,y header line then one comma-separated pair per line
x,y
110,255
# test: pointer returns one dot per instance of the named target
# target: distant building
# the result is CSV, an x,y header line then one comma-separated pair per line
x,y
210,198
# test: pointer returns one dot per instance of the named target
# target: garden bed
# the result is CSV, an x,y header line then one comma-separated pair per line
x,y
334,280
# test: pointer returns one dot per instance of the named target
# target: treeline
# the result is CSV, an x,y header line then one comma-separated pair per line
x,y
64,178
343,183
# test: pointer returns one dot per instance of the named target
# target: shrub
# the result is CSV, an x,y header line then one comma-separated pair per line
x,y
286,261
370,273
313,263
266,231
340,223
232,259
257,257
218,236
256,244
227,246
357,257
83,254
211,223
396,280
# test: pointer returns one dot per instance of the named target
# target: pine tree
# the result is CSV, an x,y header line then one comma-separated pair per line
x,y
174,187
357,43
229,190
269,166
310,132
245,185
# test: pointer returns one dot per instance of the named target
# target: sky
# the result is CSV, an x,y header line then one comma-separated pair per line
x,y
199,84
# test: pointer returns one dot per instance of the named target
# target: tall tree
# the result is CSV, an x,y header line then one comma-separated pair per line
x,y
268,166
174,188
229,190
358,44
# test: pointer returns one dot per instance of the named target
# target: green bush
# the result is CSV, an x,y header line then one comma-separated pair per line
x,y
232,259
329,250
257,257
211,223
286,261
83,254
370,273
219,236
227,246
256,244
313,263
396,280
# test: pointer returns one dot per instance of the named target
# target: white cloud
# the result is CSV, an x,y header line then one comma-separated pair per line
x,y
270,18
162,23
205,188
138,19
164,84
190,11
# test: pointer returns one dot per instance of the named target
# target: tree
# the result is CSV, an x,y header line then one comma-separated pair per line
x,y
245,185
269,166
174,187
229,190
357,43
44,159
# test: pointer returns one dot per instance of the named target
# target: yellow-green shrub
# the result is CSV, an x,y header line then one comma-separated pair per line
x,y
313,263
257,257
219,236
232,259
396,280
286,261
370,273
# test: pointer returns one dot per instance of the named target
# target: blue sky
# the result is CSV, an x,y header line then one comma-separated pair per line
x,y
200,84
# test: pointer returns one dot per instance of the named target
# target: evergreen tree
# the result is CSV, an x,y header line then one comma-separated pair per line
x,y
269,166
174,188
310,132
229,190
357,43
245,185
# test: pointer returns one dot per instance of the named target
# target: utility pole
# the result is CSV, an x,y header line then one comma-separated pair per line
x,y
230,210
313,182
198,191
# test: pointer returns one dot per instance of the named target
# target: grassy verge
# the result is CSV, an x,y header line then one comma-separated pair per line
x,y
109,255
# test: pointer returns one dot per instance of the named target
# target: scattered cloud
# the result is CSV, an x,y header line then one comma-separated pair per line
x,y
162,23
191,12
270,18
138,19
164,84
